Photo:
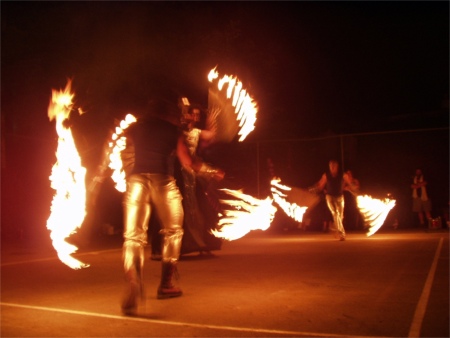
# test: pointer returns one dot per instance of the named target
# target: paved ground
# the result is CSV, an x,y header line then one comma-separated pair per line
x,y
291,284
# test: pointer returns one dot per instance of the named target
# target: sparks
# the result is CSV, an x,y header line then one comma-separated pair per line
x,y
68,208
374,211
248,214
245,107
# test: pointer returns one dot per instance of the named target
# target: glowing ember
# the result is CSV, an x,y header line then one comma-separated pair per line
x,y
293,210
248,214
68,207
244,106
374,211
118,144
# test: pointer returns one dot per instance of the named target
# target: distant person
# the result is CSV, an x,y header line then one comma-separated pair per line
x,y
326,219
421,201
333,182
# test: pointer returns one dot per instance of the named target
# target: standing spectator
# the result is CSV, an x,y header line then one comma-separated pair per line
x,y
421,201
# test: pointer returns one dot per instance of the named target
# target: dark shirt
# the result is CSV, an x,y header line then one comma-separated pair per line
x,y
155,142
334,186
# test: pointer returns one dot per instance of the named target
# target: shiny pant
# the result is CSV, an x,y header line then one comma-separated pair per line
x,y
145,193
336,206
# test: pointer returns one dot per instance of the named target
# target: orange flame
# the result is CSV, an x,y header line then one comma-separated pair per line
x,y
374,211
118,144
245,106
293,210
68,207
249,214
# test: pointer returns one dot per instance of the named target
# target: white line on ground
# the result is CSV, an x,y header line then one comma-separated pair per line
x,y
416,325
35,260
155,321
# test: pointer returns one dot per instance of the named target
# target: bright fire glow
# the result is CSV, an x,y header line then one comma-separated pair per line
x,y
374,211
293,210
68,207
248,214
118,144
245,106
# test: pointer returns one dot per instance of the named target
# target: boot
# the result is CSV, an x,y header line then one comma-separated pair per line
x,y
133,294
133,256
166,289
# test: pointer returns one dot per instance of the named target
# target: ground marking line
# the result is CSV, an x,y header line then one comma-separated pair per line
x,y
36,260
416,325
156,321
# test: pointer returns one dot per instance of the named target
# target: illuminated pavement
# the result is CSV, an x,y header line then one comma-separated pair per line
x,y
292,284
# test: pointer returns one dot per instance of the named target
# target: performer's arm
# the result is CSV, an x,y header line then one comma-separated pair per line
x,y
207,135
418,185
351,184
319,186
195,164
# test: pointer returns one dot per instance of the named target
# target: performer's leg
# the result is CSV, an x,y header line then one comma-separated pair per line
x,y
336,207
168,202
340,212
193,223
136,217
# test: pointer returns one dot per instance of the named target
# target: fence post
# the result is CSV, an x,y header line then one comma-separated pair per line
x,y
257,170
342,152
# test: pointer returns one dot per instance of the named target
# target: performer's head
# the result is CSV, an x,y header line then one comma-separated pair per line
x,y
334,167
191,118
419,172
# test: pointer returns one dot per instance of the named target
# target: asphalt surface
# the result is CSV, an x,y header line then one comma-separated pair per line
x,y
266,284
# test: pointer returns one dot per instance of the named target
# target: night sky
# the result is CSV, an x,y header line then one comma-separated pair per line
x,y
313,67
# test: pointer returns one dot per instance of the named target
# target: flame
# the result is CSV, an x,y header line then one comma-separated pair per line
x,y
374,211
117,145
248,214
293,210
68,207
245,106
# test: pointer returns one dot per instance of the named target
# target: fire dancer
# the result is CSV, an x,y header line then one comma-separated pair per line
x,y
150,186
333,183
197,236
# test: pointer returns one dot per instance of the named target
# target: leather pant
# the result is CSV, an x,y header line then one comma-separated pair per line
x,y
336,206
146,193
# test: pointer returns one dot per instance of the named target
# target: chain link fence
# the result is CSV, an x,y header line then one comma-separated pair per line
x,y
383,162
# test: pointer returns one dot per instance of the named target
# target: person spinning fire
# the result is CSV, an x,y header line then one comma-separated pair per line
x,y
155,140
333,182
197,236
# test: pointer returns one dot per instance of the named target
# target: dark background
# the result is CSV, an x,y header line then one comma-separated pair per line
x,y
314,68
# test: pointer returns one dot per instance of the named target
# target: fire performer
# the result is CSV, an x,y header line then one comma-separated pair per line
x,y
333,182
198,237
150,185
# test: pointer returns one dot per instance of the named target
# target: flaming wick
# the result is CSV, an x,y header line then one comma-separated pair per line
x,y
248,214
245,106
68,207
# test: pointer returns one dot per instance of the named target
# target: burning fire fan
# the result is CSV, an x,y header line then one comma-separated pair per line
x,y
68,208
234,107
